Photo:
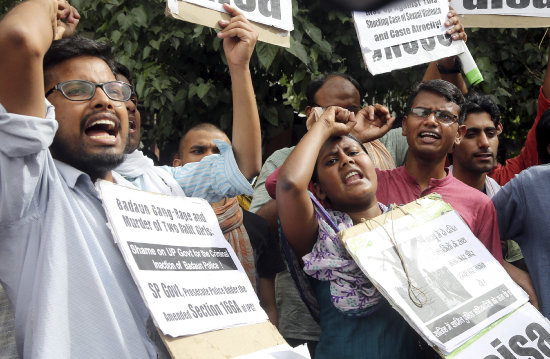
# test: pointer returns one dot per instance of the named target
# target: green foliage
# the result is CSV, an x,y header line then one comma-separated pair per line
x,y
181,77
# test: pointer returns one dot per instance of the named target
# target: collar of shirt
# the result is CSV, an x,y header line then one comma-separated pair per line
x,y
71,175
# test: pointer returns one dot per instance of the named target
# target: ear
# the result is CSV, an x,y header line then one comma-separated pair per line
x,y
177,162
460,134
319,193
404,126
499,128
548,148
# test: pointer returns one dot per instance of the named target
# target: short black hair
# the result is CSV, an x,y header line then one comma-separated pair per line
x,y
206,126
318,82
314,176
76,46
440,87
120,69
478,103
543,137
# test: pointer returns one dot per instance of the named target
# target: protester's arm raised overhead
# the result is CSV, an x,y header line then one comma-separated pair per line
x,y
239,38
448,68
26,33
298,221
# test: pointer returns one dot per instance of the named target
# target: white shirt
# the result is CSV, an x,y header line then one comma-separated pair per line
x,y
72,293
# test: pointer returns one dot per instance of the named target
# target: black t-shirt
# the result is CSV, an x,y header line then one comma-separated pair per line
x,y
267,254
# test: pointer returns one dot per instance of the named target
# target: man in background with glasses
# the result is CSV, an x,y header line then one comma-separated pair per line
x,y
72,294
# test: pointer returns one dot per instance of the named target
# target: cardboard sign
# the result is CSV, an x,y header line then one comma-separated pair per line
x,y
523,334
539,8
401,22
447,299
502,21
411,54
186,271
206,16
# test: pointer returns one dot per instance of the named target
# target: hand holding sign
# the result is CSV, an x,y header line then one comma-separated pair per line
x,y
239,38
454,27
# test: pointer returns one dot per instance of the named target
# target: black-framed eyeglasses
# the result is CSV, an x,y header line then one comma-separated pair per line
x,y
81,90
441,116
354,109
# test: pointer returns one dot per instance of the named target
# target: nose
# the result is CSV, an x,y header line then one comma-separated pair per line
x,y
483,141
431,120
130,107
346,160
102,101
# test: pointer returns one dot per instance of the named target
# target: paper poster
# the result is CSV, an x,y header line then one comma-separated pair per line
x,y
523,334
412,53
401,22
186,271
283,351
276,13
459,286
538,8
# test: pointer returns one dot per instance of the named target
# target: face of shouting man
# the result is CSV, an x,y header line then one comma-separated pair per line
x,y
92,131
431,127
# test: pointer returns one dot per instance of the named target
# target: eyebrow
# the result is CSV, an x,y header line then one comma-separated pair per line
x,y
481,129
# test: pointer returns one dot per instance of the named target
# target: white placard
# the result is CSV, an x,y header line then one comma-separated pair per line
x,y
411,54
463,288
186,271
523,334
404,21
539,8
283,351
276,13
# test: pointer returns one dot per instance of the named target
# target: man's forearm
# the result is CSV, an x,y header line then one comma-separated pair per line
x,y
247,137
26,33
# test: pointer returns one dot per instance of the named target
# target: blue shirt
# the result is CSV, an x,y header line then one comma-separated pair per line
x,y
72,293
214,178
522,208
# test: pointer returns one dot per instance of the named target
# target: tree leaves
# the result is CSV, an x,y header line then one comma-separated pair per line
x,y
181,77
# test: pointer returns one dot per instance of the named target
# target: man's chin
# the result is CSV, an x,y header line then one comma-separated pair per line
x,y
96,166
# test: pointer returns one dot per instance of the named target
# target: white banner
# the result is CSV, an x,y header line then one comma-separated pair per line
x,y
462,288
186,271
539,8
276,13
401,22
411,54
523,334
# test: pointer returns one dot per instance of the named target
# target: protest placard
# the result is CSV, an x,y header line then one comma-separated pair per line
x,y
523,334
539,8
186,271
504,21
412,53
404,21
452,296
264,17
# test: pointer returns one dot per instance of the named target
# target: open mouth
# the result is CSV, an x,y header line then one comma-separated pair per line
x,y
352,177
429,137
102,127
132,125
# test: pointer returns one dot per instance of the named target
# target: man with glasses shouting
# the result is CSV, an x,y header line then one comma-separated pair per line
x,y
71,291
431,127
